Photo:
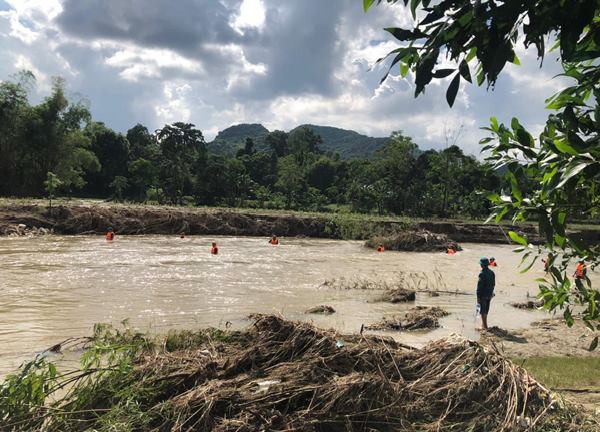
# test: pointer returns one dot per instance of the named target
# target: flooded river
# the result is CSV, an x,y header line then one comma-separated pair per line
x,y
57,286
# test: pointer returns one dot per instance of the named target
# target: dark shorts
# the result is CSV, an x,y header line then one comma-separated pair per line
x,y
484,304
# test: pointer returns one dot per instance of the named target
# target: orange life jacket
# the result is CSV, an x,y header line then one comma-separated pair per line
x,y
214,250
110,235
274,241
380,249
580,271
450,251
493,264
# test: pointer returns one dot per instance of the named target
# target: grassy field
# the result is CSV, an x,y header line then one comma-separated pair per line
x,y
575,373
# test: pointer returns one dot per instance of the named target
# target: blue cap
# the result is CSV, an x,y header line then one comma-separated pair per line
x,y
484,262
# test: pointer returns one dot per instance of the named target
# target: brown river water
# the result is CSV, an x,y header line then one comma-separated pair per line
x,y
54,287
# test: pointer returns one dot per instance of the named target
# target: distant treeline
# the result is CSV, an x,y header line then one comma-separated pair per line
x,y
55,146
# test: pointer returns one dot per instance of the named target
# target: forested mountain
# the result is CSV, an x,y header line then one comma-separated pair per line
x,y
230,140
347,143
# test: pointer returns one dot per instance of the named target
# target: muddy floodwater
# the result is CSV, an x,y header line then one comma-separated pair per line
x,y
54,287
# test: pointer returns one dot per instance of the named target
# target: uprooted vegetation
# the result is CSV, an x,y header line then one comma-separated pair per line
x,y
415,241
417,318
529,304
281,375
321,309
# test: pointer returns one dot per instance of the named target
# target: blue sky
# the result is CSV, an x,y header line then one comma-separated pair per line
x,y
217,63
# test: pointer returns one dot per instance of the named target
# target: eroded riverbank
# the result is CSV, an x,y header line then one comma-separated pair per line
x,y
136,219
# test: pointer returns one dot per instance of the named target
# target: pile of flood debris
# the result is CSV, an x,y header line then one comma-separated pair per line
x,y
282,375
417,318
529,304
415,241
23,230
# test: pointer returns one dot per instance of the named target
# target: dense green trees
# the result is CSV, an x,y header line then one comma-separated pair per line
x,y
37,139
172,165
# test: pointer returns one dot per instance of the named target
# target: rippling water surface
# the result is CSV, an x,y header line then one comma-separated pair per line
x,y
57,286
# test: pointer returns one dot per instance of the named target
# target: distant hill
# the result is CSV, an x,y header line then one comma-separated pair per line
x,y
349,144
229,140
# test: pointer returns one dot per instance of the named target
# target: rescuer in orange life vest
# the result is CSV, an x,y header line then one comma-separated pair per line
x,y
214,249
274,240
110,235
450,251
580,270
380,248
493,262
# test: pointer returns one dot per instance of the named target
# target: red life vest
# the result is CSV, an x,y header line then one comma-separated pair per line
x,y
274,241
214,250
580,271
380,249
450,251
493,264
110,236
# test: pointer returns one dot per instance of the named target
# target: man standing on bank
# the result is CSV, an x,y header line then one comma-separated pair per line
x,y
485,290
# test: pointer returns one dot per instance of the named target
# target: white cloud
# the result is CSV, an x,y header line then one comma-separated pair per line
x,y
174,106
137,63
251,14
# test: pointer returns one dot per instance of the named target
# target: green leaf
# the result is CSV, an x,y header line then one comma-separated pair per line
x,y
516,190
494,124
471,55
442,73
464,71
367,4
517,238
480,77
403,34
413,7
452,90
526,269
502,213
571,172
594,344
564,147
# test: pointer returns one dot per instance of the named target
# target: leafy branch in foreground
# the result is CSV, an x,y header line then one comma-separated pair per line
x,y
554,179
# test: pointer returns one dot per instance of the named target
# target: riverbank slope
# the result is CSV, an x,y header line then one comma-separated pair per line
x,y
32,217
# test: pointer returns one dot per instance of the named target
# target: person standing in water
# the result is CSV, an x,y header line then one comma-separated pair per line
x,y
547,261
274,241
580,270
214,250
485,290
493,262
110,235
380,248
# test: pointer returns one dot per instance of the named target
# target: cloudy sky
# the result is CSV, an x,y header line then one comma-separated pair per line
x,y
220,62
